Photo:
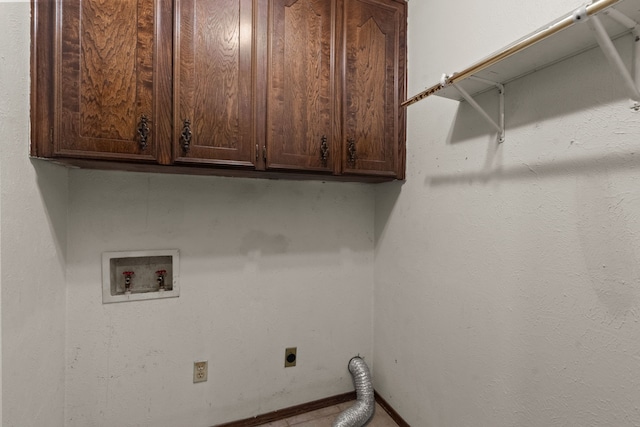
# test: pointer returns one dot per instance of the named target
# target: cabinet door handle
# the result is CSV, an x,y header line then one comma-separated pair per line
x,y
143,132
351,151
185,136
324,150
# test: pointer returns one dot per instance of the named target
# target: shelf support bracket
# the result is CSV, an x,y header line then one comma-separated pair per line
x,y
613,56
499,127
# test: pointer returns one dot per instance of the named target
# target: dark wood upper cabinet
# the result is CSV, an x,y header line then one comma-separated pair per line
x,y
301,95
213,82
373,87
336,77
106,80
273,88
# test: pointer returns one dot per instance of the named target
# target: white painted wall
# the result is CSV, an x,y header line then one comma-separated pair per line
x,y
507,278
32,247
264,265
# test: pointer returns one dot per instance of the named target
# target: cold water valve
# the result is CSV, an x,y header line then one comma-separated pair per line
x,y
160,279
127,281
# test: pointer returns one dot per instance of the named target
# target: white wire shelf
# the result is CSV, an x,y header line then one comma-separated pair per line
x,y
559,40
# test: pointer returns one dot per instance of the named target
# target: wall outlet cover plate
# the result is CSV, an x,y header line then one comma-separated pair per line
x,y
290,357
200,371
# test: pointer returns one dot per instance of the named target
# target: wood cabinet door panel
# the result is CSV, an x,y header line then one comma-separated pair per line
x,y
309,86
300,88
105,74
212,78
373,78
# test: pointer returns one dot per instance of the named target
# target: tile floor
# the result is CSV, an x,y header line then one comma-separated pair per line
x,y
324,418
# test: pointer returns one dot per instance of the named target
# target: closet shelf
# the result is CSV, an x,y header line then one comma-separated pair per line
x,y
561,39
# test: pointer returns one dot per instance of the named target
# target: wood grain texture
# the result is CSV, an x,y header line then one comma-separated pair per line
x,y
42,77
261,40
106,78
98,65
163,82
207,170
401,91
373,78
300,84
214,81
282,414
366,99
291,411
108,81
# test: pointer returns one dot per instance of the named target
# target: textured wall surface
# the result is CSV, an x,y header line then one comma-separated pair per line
x,y
264,265
32,247
507,278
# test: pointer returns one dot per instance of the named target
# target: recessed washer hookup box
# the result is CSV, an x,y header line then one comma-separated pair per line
x,y
140,275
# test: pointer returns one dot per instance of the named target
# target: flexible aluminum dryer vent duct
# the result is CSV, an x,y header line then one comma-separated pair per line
x,y
362,410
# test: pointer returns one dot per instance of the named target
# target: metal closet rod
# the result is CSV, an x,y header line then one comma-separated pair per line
x,y
568,21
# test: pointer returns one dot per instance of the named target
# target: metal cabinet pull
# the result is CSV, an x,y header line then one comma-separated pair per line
x,y
185,136
143,132
351,151
324,150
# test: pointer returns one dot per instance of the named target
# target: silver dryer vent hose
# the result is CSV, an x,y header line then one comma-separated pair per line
x,y
358,414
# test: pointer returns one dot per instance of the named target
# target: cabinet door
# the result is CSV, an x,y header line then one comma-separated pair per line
x,y
105,80
213,118
373,136
300,111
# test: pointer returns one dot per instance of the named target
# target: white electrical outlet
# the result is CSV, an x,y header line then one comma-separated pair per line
x,y
200,372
